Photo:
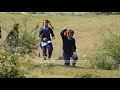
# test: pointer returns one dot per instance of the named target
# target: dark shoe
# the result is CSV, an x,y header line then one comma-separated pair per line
x,y
67,64
49,58
45,57
73,64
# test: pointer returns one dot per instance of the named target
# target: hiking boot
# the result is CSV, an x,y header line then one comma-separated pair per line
x,y
49,58
73,64
67,64
45,57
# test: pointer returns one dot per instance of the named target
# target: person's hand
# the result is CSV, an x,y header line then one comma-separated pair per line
x,y
65,28
53,37
74,52
45,39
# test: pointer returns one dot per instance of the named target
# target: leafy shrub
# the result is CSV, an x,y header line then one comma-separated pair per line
x,y
28,41
108,56
10,64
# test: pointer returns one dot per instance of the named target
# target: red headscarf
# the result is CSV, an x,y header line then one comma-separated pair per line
x,y
15,26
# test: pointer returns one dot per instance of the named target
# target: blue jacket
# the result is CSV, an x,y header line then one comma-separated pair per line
x,y
12,38
45,33
68,44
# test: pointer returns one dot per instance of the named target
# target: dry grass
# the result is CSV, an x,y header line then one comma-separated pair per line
x,y
88,34
56,69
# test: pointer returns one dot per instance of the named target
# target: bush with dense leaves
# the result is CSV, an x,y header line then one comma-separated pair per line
x,y
11,64
108,56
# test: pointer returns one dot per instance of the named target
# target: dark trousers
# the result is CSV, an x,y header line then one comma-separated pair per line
x,y
67,56
48,47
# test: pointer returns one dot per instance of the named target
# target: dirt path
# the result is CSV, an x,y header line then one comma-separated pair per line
x,y
39,60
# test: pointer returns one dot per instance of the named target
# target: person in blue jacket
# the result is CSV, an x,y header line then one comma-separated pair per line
x,y
69,46
13,37
46,43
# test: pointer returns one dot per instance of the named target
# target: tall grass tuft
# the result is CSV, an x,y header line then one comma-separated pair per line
x,y
28,41
108,56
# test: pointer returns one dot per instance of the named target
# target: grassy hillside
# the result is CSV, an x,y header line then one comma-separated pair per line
x,y
89,30
56,69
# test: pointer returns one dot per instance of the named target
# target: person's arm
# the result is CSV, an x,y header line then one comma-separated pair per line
x,y
9,38
74,46
41,33
53,35
62,32
42,36
9,35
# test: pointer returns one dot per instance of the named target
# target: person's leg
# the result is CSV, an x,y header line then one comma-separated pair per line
x,y
50,49
44,49
75,58
66,57
44,52
73,63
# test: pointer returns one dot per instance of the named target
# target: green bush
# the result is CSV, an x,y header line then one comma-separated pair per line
x,y
10,66
108,56
28,42
104,61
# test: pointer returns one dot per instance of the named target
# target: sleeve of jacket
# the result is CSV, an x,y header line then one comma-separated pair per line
x,y
74,45
9,35
62,34
41,33
52,33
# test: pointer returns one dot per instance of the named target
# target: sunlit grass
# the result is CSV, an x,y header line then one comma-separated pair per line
x,y
88,33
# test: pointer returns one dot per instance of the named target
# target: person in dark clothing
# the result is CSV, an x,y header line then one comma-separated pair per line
x,y
69,46
12,37
46,43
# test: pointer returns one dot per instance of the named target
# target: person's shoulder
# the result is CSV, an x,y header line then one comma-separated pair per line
x,y
49,28
41,28
73,39
11,31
